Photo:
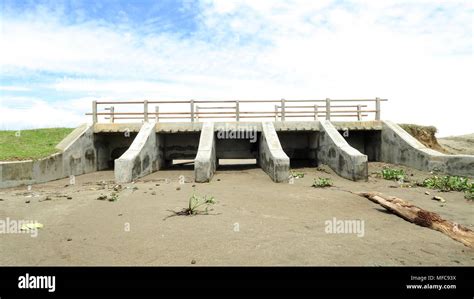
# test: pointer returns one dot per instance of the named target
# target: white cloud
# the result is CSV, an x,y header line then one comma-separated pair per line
x,y
414,55
13,88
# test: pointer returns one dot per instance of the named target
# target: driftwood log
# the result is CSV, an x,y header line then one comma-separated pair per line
x,y
422,217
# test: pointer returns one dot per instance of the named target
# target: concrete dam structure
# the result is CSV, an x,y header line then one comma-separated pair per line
x,y
135,149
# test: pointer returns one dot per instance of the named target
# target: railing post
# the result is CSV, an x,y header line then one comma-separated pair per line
x,y
145,110
276,112
237,110
192,110
197,113
94,112
157,113
377,108
359,115
282,109
328,109
112,117
316,112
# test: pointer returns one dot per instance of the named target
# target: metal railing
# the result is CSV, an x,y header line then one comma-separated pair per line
x,y
197,110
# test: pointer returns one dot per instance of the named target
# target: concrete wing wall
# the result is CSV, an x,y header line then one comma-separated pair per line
x,y
77,156
141,158
399,147
271,156
335,152
205,161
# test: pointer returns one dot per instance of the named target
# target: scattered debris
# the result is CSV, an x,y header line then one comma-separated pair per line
x,y
69,239
113,196
28,226
218,180
438,198
157,185
193,185
153,193
102,197
178,188
27,201
193,262
69,197
427,193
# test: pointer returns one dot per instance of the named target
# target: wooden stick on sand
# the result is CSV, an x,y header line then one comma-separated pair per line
x,y
422,217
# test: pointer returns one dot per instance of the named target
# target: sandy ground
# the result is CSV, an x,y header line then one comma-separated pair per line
x,y
254,222
463,145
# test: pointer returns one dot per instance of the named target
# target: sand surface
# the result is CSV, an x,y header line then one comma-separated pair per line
x,y
463,145
254,222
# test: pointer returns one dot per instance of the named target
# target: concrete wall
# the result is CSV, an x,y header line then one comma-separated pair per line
x,y
77,156
179,146
271,157
335,152
205,161
111,146
399,147
299,145
368,142
141,158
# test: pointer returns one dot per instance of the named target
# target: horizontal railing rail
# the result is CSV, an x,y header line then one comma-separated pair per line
x,y
197,110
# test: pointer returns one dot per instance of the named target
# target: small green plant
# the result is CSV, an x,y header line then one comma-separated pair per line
x,y
322,183
393,174
450,183
297,175
197,205
469,195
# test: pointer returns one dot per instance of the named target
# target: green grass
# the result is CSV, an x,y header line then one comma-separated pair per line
x,y
322,183
30,144
393,174
451,183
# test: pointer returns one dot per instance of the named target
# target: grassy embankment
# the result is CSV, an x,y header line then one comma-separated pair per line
x,y
30,144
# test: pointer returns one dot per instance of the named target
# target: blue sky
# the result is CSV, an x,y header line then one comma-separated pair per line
x,y
58,56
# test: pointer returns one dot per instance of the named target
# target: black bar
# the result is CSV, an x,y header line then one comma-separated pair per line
x,y
293,282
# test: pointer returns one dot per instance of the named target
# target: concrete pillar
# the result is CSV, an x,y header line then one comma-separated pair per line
x,y
94,112
157,113
145,110
237,111
141,157
282,109
335,152
205,161
112,116
377,109
271,157
328,109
